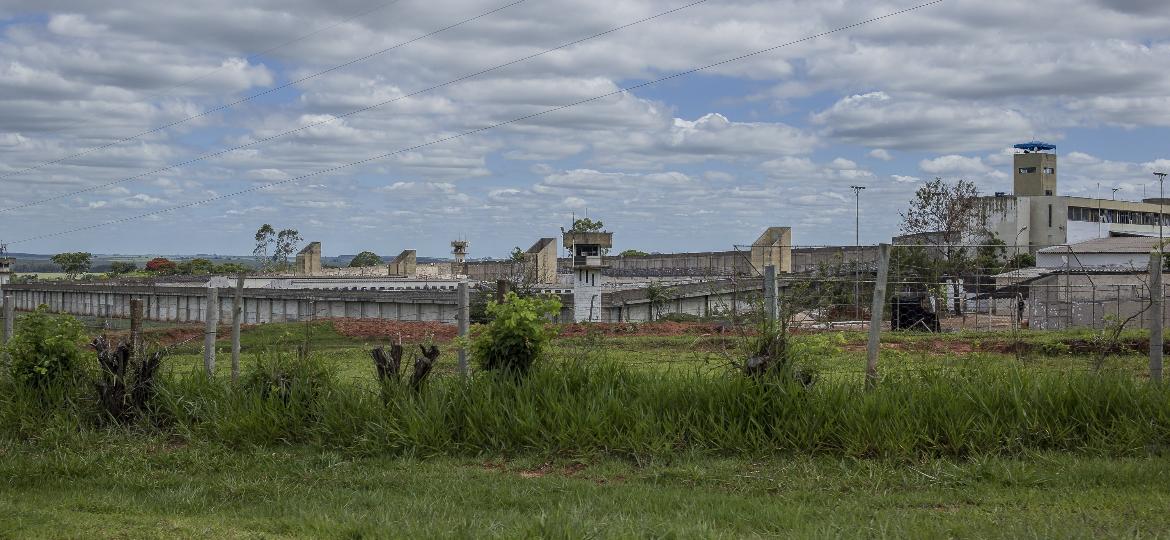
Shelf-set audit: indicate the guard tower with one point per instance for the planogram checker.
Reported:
(459, 251)
(1035, 169)
(5, 265)
(586, 248)
(308, 261)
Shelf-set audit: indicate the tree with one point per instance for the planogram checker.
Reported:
(365, 258)
(195, 267)
(587, 225)
(264, 237)
(287, 241)
(74, 263)
(633, 253)
(658, 295)
(1022, 260)
(517, 255)
(945, 215)
(161, 265)
(118, 268)
(990, 255)
(230, 268)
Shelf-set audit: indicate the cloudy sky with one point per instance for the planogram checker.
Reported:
(698, 162)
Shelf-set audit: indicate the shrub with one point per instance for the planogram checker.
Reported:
(161, 265)
(46, 348)
(290, 379)
(517, 334)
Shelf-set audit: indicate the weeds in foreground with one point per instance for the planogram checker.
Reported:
(605, 408)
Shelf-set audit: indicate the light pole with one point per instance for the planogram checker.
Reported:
(857, 250)
(1114, 196)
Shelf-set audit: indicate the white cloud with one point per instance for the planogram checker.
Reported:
(954, 165)
(682, 161)
(878, 120)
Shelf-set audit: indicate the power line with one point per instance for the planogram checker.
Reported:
(350, 113)
(263, 93)
(484, 128)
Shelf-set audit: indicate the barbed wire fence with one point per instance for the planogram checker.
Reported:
(991, 288)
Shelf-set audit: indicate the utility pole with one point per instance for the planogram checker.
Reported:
(856, 251)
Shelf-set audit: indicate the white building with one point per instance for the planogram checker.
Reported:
(1115, 253)
(1036, 216)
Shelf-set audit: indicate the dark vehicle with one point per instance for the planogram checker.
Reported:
(914, 312)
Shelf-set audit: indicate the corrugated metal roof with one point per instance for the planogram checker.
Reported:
(1112, 244)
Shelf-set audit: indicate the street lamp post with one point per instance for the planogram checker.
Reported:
(857, 250)
(1114, 196)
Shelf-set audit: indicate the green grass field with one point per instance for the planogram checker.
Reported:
(115, 487)
(910, 460)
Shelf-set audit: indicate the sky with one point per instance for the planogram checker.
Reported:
(407, 145)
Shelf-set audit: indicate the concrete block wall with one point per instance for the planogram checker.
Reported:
(189, 304)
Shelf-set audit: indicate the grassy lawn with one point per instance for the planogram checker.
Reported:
(213, 479)
(116, 486)
(831, 355)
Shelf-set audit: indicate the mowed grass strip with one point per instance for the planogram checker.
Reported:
(122, 486)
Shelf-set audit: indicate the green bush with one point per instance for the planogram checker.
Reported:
(518, 333)
(46, 348)
(287, 378)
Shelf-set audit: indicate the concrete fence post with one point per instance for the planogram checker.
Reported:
(136, 352)
(209, 331)
(771, 305)
(237, 315)
(463, 324)
(875, 316)
(9, 319)
(1156, 300)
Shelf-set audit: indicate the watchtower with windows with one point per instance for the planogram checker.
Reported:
(5, 265)
(459, 250)
(587, 249)
(1035, 169)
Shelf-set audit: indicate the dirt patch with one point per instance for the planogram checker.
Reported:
(173, 336)
(664, 328)
(411, 331)
(548, 468)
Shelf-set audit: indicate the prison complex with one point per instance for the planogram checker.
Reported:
(595, 285)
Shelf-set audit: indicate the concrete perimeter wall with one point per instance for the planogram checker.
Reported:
(189, 304)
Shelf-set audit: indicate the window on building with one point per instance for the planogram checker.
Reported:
(1050, 215)
(1049, 170)
(1048, 192)
(1027, 170)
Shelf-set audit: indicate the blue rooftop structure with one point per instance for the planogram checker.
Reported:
(1035, 146)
